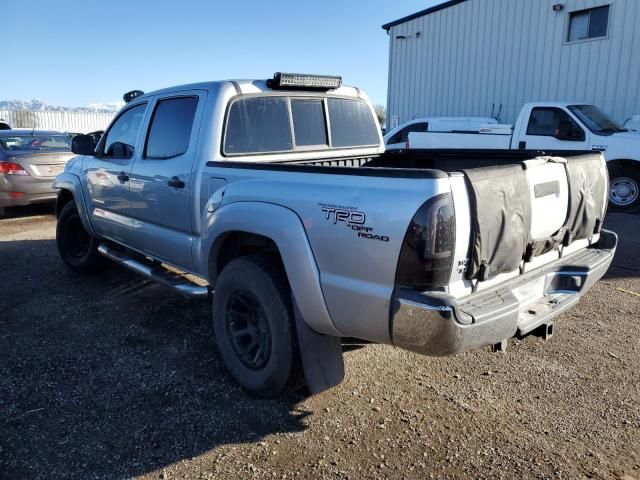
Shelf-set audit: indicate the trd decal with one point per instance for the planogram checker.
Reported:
(352, 218)
(371, 236)
(349, 217)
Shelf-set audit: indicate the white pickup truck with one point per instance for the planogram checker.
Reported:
(633, 123)
(548, 126)
(397, 137)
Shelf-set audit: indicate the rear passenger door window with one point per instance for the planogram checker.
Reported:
(171, 126)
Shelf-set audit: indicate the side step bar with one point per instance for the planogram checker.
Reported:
(156, 273)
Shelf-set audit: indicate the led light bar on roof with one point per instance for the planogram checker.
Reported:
(304, 81)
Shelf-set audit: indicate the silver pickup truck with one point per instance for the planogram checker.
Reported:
(277, 199)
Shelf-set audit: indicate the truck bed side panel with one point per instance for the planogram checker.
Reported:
(355, 220)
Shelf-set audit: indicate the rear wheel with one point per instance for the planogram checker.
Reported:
(254, 327)
(624, 194)
(77, 248)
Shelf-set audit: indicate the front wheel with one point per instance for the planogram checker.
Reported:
(624, 193)
(254, 327)
(77, 248)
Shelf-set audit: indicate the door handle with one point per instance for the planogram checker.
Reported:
(175, 182)
(123, 177)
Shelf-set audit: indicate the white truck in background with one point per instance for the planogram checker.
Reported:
(397, 138)
(633, 123)
(547, 126)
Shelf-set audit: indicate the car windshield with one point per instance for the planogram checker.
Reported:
(36, 142)
(595, 119)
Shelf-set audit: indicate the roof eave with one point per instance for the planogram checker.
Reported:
(422, 13)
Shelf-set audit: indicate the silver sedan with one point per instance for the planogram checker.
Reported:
(29, 160)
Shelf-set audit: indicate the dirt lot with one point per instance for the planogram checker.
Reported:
(114, 377)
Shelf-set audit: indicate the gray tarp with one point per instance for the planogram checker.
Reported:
(501, 219)
(501, 212)
(587, 188)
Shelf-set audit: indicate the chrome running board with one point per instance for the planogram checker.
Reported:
(156, 273)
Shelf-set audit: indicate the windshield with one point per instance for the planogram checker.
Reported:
(595, 119)
(36, 142)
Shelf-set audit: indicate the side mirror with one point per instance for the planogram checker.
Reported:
(82, 145)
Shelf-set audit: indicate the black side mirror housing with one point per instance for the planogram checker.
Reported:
(83, 145)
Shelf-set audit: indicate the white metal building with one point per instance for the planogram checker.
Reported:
(490, 57)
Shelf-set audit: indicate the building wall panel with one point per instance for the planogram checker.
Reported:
(473, 57)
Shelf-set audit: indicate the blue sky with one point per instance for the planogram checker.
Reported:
(79, 52)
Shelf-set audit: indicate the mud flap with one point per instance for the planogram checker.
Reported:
(321, 356)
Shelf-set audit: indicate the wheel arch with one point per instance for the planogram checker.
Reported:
(623, 162)
(64, 196)
(253, 227)
(70, 189)
(238, 243)
(629, 170)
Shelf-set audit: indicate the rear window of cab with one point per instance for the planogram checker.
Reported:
(277, 124)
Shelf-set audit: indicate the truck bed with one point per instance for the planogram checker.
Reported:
(520, 203)
(444, 160)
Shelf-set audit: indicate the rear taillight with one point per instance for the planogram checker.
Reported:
(427, 250)
(11, 168)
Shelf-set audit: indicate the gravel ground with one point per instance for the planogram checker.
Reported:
(115, 377)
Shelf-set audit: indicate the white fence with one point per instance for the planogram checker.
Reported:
(77, 122)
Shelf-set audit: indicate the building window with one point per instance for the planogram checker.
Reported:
(590, 23)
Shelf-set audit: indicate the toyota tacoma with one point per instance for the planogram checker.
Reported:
(276, 200)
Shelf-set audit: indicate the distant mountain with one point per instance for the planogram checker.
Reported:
(39, 105)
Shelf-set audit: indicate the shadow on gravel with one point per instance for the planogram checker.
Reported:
(351, 344)
(112, 376)
(29, 211)
(626, 263)
(616, 271)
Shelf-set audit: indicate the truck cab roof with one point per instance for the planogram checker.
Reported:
(247, 86)
(554, 104)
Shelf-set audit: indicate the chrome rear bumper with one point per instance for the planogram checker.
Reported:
(438, 324)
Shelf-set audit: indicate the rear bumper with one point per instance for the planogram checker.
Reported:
(18, 190)
(438, 324)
